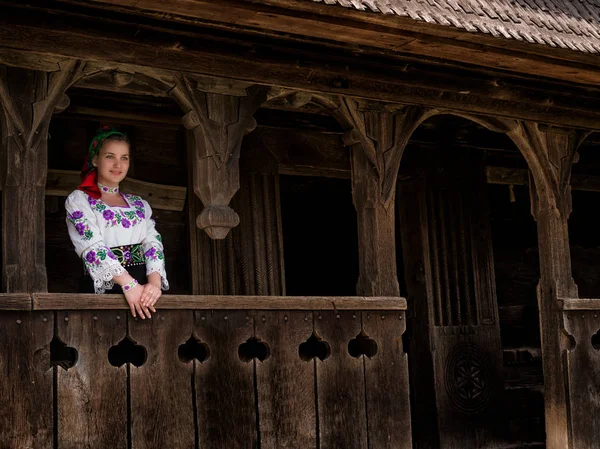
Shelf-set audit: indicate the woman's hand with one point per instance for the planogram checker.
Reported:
(134, 299)
(152, 291)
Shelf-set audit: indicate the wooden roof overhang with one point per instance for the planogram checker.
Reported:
(141, 44)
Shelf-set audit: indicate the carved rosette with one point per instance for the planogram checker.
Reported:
(219, 122)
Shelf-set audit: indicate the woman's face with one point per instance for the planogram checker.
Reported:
(112, 163)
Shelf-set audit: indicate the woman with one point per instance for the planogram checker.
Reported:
(113, 232)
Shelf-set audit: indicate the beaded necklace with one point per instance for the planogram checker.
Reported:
(106, 189)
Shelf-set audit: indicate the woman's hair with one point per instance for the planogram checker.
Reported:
(116, 138)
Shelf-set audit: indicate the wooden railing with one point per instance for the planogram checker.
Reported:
(222, 372)
(581, 358)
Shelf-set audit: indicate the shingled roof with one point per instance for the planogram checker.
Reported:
(570, 24)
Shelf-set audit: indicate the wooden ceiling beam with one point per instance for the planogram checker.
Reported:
(366, 30)
(153, 54)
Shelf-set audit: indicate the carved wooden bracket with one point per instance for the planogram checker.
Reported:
(28, 99)
(219, 122)
(550, 153)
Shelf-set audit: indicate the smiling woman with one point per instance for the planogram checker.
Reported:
(113, 232)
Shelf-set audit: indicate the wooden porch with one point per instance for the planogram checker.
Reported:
(77, 371)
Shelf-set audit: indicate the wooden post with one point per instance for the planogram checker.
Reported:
(550, 153)
(219, 116)
(28, 99)
(377, 136)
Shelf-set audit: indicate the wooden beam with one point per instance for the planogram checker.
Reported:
(163, 197)
(370, 31)
(75, 301)
(310, 68)
(15, 301)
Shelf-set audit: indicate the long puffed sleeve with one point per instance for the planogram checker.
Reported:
(100, 262)
(153, 249)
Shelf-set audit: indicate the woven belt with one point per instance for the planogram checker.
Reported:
(128, 255)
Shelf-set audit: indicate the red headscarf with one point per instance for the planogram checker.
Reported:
(89, 173)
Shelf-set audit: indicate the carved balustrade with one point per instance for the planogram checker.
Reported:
(205, 371)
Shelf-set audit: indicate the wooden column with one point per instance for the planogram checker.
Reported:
(219, 116)
(377, 135)
(28, 99)
(550, 153)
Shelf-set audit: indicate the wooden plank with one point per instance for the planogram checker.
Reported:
(92, 395)
(414, 83)
(340, 384)
(162, 197)
(286, 394)
(15, 301)
(578, 304)
(225, 395)
(386, 377)
(78, 301)
(162, 411)
(26, 380)
(581, 353)
(387, 32)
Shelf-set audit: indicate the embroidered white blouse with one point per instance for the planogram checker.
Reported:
(95, 227)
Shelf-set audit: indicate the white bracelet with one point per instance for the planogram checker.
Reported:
(130, 285)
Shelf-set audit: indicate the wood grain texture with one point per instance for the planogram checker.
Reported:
(286, 396)
(340, 384)
(15, 301)
(92, 395)
(78, 301)
(387, 388)
(224, 383)
(580, 349)
(579, 303)
(26, 380)
(162, 413)
(400, 81)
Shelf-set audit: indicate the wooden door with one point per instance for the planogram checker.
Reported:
(455, 354)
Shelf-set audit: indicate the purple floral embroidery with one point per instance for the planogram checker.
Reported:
(108, 214)
(76, 215)
(126, 223)
(91, 257)
(111, 255)
(80, 227)
(92, 201)
(138, 203)
(140, 214)
(151, 253)
(127, 255)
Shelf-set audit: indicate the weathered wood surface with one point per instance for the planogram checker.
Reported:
(579, 303)
(225, 392)
(161, 197)
(580, 348)
(340, 384)
(386, 379)
(445, 231)
(386, 32)
(26, 415)
(286, 383)
(400, 81)
(92, 407)
(550, 153)
(219, 122)
(162, 410)
(378, 138)
(27, 101)
(520, 176)
(77, 301)
(15, 301)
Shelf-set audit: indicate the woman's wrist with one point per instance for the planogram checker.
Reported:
(155, 279)
(129, 286)
(123, 279)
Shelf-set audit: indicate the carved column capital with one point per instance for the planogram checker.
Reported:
(219, 122)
